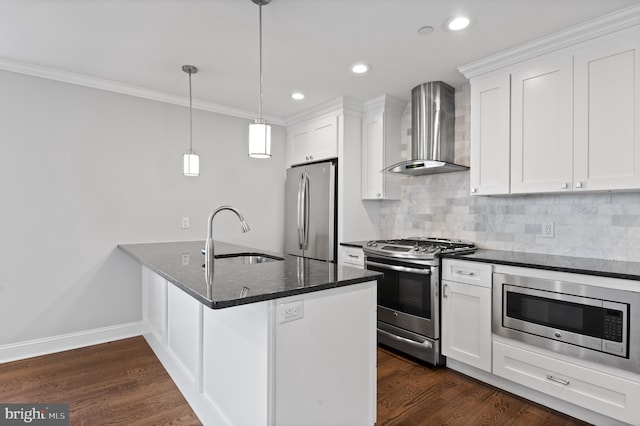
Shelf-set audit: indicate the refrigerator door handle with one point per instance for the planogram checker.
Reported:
(300, 212)
(305, 216)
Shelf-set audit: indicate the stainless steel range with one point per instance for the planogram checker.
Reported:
(409, 293)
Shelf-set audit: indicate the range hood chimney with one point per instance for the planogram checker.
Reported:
(432, 131)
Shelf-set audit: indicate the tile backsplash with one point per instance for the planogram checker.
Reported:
(597, 225)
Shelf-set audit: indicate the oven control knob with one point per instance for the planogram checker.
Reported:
(557, 334)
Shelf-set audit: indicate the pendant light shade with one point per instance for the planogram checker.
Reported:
(191, 164)
(259, 139)
(260, 131)
(191, 160)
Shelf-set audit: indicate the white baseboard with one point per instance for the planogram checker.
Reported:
(65, 342)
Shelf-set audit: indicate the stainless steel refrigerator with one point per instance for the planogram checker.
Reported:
(310, 211)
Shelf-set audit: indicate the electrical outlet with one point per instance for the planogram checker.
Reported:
(547, 230)
(290, 311)
(185, 223)
(185, 259)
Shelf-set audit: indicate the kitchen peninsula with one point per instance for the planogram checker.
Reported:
(284, 340)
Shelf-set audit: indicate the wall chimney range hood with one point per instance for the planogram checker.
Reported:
(432, 132)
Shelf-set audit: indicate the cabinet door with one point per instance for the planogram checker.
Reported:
(372, 156)
(184, 331)
(607, 114)
(542, 126)
(490, 135)
(314, 140)
(154, 304)
(380, 148)
(466, 324)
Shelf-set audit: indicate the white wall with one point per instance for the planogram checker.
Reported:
(82, 170)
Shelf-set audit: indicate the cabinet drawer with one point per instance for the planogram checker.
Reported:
(467, 272)
(603, 393)
(353, 256)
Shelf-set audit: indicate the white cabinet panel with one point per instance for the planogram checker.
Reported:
(380, 148)
(461, 271)
(603, 393)
(154, 304)
(325, 370)
(313, 140)
(352, 256)
(490, 148)
(184, 330)
(235, 374)
(607, 115)
(541, 126)
(466, 312)
(466, 324)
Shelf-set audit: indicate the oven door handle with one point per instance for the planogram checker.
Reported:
(427, 344)
(400, 268)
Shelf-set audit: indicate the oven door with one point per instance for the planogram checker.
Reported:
(407, 295)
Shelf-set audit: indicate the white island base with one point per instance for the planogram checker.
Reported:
(245, 366)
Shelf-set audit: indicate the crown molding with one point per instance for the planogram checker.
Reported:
(617, 21)
(387, 103)
(126, 89)
(341, 105)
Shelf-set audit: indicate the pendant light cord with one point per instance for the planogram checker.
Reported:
(190, 117)
(260, 81)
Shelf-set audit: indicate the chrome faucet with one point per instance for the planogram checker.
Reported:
(208, 247)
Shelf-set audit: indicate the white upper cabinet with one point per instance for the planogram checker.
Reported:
(572, 117)
(490, 134)
(313, 140)
(607, 114)
(541, 125)
(381, 148)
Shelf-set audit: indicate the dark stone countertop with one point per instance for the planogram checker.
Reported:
(552, 262)
(264, 281)
(356, 244)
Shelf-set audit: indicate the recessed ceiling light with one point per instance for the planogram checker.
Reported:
(360, 68)
(297, 96)
(425, 30)
(457, 23)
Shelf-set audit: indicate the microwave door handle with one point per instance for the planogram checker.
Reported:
(400, 268)
(299, 218)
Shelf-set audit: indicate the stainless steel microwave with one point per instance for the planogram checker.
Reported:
(582, 320)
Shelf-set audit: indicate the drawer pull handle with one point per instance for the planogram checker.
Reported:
(444, 290)
(470, 274)
(555, 379)
(353, 256)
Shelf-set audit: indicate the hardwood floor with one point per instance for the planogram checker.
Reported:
(116, 383)
(123, 383)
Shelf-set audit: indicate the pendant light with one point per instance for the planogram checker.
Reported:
(260, 131)
(191, 159)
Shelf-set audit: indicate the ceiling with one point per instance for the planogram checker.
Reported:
(307, 45)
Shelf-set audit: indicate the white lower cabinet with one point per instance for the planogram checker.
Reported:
(352, 256)
(253, 365)
(466, 312)
(184, 330)
(603, 393)
(154, 304)
(325, 363)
